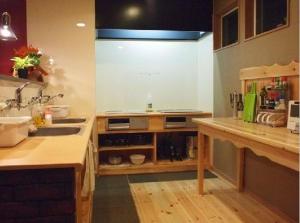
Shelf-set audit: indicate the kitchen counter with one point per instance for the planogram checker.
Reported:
(277, 144)
(280, 138)
(48, 152)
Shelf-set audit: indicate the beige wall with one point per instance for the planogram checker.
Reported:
(278, 47)
(51, 26)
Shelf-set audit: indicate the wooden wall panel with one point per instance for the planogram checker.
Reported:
(249, 18)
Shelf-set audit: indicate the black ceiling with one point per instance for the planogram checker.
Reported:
(180, 15)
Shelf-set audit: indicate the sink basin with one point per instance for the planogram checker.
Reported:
(68, 120)
(56, 131)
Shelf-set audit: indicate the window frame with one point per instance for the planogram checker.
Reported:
(238, 27)
(255, 35)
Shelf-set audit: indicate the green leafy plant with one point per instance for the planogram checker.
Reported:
(22, 63)
(28, 57)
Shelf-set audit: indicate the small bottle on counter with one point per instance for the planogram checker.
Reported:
(263, 97)
(149, 103)
(37, 115)
(240, 107)
(48, 117)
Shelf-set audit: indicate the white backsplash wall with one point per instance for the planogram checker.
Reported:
(128, 73)
(9, 93)
(205, 73)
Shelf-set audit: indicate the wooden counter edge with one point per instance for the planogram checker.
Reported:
(146, 114)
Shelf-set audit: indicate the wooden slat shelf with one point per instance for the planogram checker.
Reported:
(123, 148)
(178, 163)
(148, 167)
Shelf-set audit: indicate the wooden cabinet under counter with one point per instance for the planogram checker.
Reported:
(120, 141)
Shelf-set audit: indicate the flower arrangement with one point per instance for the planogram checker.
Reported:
(28, 58)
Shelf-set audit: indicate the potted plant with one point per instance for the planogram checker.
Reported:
(21, 66)
(29, 58)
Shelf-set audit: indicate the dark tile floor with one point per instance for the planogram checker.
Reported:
(113, 202)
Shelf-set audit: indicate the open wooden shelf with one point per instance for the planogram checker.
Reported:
(155, 135)
(149, 131)
(126, 167)
(10, 81)
(148, 167)
(124, 148)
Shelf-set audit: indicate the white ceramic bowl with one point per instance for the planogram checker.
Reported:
(59, 111)
(115, 160)
(137, 159)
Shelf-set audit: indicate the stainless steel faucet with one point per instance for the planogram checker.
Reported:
(18, 95)
(44, 99)
(56, 96)
(40, 94)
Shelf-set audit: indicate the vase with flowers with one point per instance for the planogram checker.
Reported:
(27, 63)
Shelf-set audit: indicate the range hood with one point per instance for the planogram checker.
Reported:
(153, 19)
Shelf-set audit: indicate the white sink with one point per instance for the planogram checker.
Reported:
(13, 130)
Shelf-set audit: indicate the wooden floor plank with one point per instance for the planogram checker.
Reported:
(179, 201)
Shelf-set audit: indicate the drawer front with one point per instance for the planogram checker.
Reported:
(175, 122)
(118, 124)
(139, 123)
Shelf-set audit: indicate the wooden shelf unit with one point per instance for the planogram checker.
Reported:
(153, 164)
(148, 167)
(122, 148)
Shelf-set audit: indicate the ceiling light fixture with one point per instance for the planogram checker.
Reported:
(133, 12)
(80, 24)
(6, 32)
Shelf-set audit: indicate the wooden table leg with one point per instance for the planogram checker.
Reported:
(240, 169)
(201, 159)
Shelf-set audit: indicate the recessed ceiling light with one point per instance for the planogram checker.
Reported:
(133, 12)
(80, 24)
(120, 47)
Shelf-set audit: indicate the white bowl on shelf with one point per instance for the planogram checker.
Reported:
(115, 160)
(137, 159)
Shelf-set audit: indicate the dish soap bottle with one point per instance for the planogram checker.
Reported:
(149, 103)
(48, 117)
(37, 115)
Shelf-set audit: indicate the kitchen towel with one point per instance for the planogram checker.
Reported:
(89, 177)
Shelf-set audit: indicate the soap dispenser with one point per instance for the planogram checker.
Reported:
(149, 103)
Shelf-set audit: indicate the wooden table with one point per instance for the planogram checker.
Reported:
(277, 144)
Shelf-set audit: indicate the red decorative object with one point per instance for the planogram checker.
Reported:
(34, 54)
(17, 10)
(26, 50)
